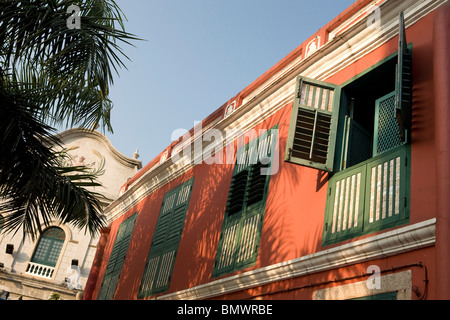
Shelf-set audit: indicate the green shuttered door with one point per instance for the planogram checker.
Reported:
(161, 258)
(368, 197)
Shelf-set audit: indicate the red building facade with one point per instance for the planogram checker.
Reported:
(326, 178)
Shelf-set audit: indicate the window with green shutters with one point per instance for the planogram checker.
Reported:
(166, 239)
(312, 133)
(371, 192)
(116, 259)
(244, 213)
(49, 247)
(335, 127)
(358, 131)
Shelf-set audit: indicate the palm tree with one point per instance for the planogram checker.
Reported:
(52, 75)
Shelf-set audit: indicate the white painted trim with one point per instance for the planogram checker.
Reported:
(394, 242)
(356, 18)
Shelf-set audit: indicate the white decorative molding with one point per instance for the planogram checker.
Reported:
(394, 242)
(229, 109)
(76, 133)
(164, 157)
(362, 14)
(312, 46)
(161, 175)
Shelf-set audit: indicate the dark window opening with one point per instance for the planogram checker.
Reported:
(359, 121)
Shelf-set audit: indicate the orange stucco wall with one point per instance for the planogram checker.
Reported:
(296, 200)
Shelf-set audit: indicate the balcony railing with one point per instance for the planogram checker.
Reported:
(370, 196)
(40, 270)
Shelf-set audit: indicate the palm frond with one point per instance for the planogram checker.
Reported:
(34, 188)
(56, 76)
(34, 37)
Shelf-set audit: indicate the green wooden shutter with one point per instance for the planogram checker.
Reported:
(404, 83)
(241, 230)
(371, 196)
(166, 239)
(239, 241)
(387, 196)
(345, 205)
(116, 259)
(312, 133)
(386, 127)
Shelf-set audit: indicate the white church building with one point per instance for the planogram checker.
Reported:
(56, 264)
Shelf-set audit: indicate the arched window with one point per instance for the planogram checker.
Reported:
(49, 247)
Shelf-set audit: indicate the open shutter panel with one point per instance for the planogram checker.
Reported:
(312, 133)
(386, 127)
(166, 239)
(403, 101)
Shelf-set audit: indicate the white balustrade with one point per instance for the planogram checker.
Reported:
(39, 270)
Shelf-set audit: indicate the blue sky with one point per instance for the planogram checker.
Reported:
(197, 55)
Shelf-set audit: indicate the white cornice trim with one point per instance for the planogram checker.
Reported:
(398, 241)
